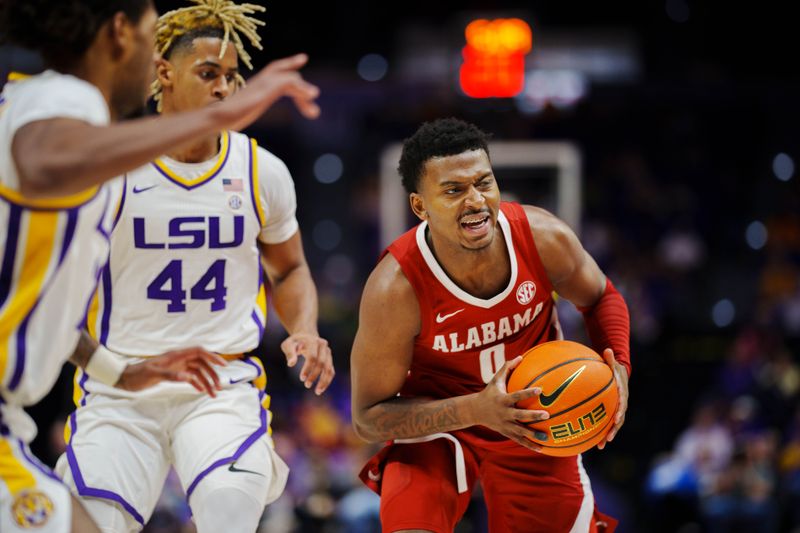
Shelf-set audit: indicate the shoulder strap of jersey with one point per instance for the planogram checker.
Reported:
(255, 191)
(524, 241)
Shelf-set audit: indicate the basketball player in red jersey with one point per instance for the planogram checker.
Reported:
(443, 319)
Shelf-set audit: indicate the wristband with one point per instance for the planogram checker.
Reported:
(106, 366)
(609, 325)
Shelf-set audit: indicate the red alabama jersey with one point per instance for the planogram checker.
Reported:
(463, 339)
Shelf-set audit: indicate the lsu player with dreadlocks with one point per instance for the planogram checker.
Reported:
(191, 232)
(63, 134)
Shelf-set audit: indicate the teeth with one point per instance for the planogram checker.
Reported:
(473, 219)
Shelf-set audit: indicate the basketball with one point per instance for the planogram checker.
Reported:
(578, 391)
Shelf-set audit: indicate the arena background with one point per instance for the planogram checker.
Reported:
(685, 115)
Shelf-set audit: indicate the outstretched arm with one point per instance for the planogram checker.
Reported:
(382, 353)
(60, 157)
(192, 365)
(576, 277)
(294, 296)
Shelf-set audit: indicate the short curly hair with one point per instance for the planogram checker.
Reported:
(443, 137)
(61, 30)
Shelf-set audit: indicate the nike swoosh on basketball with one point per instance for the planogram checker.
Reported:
(137, 190)
(548, 399)
(441, 318)
(232, 468)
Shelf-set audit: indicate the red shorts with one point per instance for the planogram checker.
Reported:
(523, 490)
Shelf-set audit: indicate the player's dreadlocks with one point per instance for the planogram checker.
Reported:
(61, 30)
(208, 18)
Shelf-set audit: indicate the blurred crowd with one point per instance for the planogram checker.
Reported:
(736, 466)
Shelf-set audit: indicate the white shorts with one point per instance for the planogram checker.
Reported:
(32, 498)
(122, 444)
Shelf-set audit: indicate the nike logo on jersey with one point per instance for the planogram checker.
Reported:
(137, 189)
(548, 399)
(441, 318)
(374, 477)
(232, 468)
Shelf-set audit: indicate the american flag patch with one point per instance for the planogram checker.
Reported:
(231, 185)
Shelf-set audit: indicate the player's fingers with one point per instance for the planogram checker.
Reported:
(213, 358)
(297, 87)
(520, 439)
(312, 367)
(287, 63)
(613, 431)
(310, 355)
(328, 372)
(621, 410)
(203, 386)
(190, 378)
(514, 363)
(533, 434)
(308, 108)
(204, 380)
(527, 415)
(290, 350)
(608, 357)
(523, 394)
(303, 94)
(204, 367)
(500, 376)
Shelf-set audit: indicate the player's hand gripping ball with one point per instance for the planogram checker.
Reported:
(578, 391)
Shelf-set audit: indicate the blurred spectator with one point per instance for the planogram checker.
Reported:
(742, 497)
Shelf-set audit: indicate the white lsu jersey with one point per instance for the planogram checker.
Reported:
(185, 265)
(51, 250)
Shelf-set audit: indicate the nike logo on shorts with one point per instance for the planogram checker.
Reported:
(232, 468)
(137, 189)
(441, 318)
(548, 399)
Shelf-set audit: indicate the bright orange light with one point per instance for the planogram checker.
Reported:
(494, 57)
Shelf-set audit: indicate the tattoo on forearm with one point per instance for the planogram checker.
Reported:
(405, 419)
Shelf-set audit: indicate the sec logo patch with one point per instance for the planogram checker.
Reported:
(31, 509)
(235, 201)
(525, 292)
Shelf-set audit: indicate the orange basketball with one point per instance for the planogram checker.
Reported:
(578, 391)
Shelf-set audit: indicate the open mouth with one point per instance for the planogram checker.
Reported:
(475, 223)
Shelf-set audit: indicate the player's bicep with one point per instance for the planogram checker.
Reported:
(41, 147)
(384, 344)
(379, 363)
(585, 283)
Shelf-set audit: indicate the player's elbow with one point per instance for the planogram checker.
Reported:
(48, 176)
(363, 429)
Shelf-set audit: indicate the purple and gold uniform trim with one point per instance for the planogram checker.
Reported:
(189, 184)
(254, 190)
(37, 241)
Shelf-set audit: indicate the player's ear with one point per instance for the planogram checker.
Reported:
(418, 206)
(164, 72)
(120, 34)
